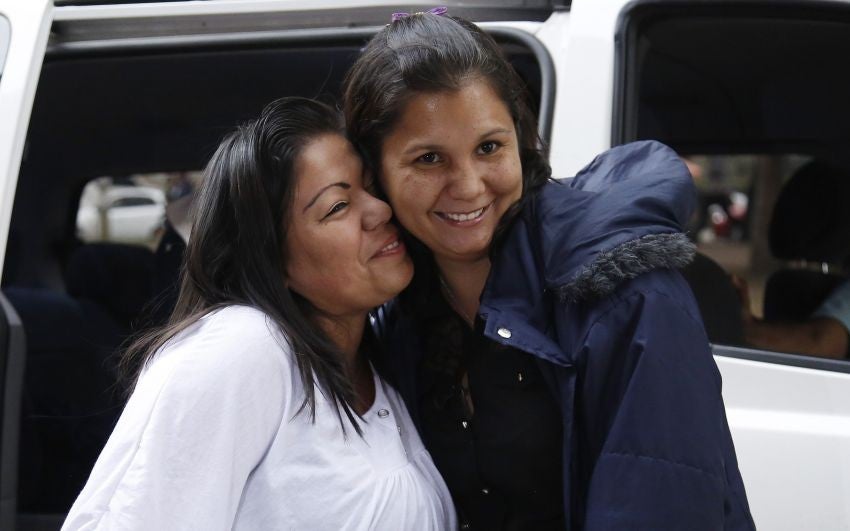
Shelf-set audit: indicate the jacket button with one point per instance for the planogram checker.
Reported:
(383, 413)
(485, 491)
(504, 332)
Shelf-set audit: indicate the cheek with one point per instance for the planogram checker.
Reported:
(398, 188)
(315, 264)
(509, 181)
(411, 194)
(300, 273)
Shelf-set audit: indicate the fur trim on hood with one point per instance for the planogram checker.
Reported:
(653, 251)
(579, 240)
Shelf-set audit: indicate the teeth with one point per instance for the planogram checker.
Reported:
(390, 247)
(465, 217)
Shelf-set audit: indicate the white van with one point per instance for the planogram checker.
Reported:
(747, 91)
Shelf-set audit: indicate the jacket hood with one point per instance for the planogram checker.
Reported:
(619, 217)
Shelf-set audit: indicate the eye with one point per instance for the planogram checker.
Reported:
(488, 147)
(429, 158)
(339, 206)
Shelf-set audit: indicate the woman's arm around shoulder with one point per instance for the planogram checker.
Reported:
(199, 421)
(654, 424)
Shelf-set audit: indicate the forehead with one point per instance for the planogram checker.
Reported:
(474, 107)
(324, 160)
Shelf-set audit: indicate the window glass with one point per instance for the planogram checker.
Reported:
(130, 209)
(780, 226)
(743, 96)
(731, 224)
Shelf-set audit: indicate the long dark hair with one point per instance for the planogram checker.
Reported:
(426, 53)
(237, 252)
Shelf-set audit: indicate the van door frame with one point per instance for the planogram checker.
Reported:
(29, 27)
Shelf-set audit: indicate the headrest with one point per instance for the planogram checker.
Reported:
(119, 277)
(811, 219)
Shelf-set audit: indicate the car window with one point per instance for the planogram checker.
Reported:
(736, 203)
(742, 96)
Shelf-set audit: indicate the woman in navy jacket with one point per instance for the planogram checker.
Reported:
(552, 358)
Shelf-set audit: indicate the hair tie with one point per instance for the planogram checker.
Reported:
(439, 11)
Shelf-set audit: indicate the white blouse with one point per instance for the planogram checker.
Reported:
(212, 439)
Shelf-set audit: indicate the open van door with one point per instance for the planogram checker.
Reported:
(24, 28)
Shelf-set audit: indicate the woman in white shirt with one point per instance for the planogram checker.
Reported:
(256, 406)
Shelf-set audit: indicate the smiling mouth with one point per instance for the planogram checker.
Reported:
(394, 247)
(460, 217)
(390, 247)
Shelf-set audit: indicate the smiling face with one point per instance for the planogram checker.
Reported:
(451, 169)
(345, 257)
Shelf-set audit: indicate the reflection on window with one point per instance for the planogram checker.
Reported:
(130, 209)
(781, 224)
(731, 224)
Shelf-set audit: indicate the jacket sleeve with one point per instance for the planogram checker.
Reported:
(657, 451)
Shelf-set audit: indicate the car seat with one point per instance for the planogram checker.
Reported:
(717, 299)
(810, 231)
(118, 277)
(71, 397)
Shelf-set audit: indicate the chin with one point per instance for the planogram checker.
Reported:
(394, 282)
(469, 251)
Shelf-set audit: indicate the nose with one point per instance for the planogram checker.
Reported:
(376, 213)
(465, 180)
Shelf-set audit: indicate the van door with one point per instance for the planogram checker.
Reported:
(24, 28)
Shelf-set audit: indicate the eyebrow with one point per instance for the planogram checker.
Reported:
(344, 186)
(435, 147)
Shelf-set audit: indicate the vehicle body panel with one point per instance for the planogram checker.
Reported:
(30, 25)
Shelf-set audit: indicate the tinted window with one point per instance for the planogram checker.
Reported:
(743, 96)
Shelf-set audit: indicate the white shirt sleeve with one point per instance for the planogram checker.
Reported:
(199, 421)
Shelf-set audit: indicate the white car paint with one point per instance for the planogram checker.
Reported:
(791, 425)
(30, 24)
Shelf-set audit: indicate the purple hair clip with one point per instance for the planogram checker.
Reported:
(439, 11)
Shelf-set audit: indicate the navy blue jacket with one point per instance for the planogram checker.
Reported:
(585, 281)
